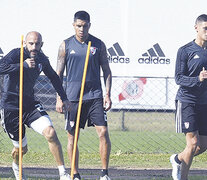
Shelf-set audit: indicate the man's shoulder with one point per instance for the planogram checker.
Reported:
(16, 49)
(91, 37)
(69, 39)
(43, 57)
(187, 46)
(14, 53)
(95, 41)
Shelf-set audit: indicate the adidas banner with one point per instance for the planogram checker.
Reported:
(142, 37)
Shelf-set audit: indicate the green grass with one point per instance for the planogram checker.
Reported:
(147, 141)
(141, 153)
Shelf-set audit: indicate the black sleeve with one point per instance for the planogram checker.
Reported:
(181, 71)
(10, 62)
(55, 80)
(103, 54)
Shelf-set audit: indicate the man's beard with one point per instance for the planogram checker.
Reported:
(30, 53)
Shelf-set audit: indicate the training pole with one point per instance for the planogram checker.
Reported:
(20, 107)
(79, 110)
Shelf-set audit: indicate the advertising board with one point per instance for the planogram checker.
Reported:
(142, 37)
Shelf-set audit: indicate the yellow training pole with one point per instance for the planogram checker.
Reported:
(20, 107)
(79, 110)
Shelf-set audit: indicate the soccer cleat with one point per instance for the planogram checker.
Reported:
(65, 176)
(16, 172)
(105, 178)
(176, 168)
(76, 177)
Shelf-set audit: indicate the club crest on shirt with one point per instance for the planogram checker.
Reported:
(93, 50)
(39, 67)
(186, 125)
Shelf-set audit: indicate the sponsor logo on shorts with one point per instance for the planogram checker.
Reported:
(11, 135)
(105, 116)
(186, 125)
(72, 123)
(39, 107)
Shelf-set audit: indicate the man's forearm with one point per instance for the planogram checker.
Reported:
(108, 82)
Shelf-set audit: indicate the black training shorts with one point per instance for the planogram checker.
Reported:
(10, 119)
(191, 117)
(92, 110)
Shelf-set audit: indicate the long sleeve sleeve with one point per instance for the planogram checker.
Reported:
(55, 80)
(182, 76)
(10, 62)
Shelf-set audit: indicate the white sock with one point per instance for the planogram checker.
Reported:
(61, 169)
(14, 165)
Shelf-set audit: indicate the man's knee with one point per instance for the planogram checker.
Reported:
(15, 151)
(71, 138)
(103, 133)
(50, 134)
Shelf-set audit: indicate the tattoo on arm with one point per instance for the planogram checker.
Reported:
(61, 61)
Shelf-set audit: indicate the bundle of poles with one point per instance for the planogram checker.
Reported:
(21, 108)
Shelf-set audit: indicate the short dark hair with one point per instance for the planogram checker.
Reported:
(201, 18)
(82, 15)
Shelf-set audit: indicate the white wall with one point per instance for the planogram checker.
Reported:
(136, 25)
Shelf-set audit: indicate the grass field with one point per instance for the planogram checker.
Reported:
(147, 142)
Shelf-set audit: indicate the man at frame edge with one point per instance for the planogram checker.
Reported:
(191, 99)
(34, 115)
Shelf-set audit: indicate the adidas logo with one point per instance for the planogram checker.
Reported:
(196, 57)
(72, 52)
(116, 54)
(154, 55)
(1, 53)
